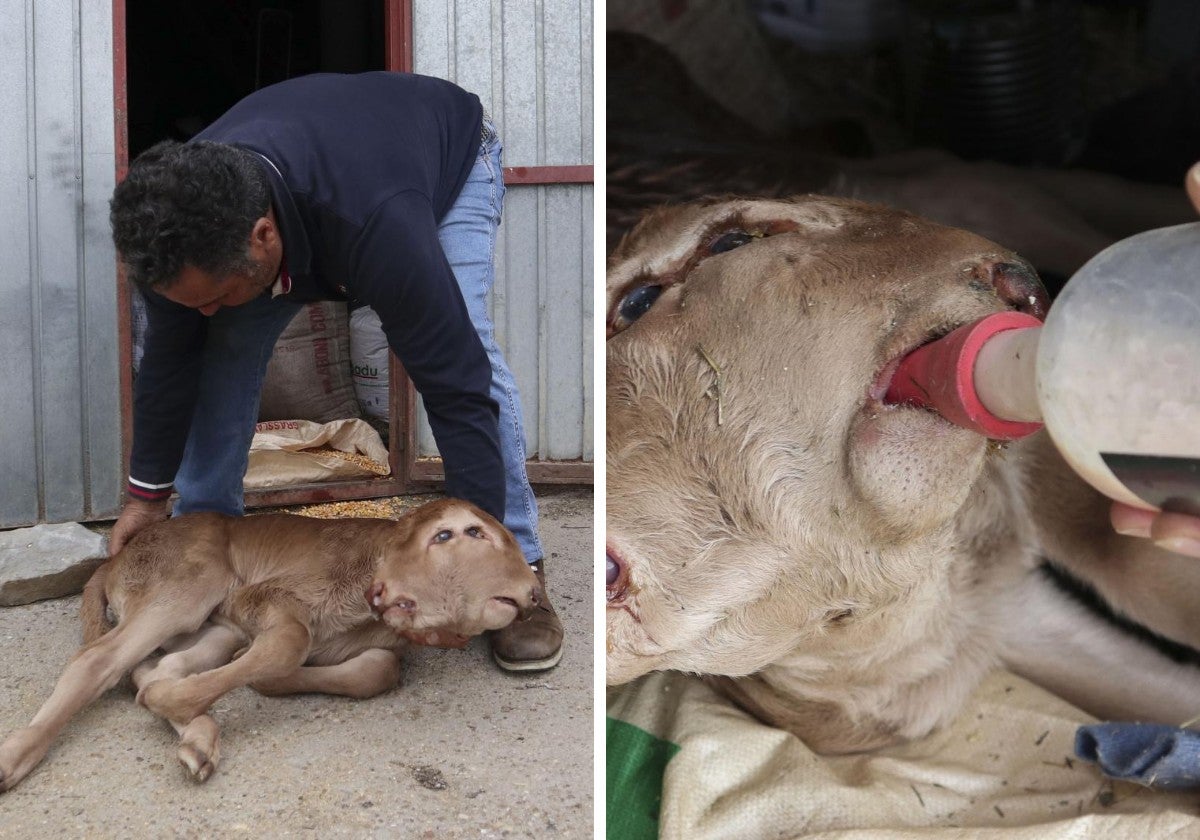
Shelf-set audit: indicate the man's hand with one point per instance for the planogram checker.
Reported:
(1176, 532)
(1192, 185)
(135, 516)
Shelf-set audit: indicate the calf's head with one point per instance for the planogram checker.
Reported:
(450, 572)
(762, 500)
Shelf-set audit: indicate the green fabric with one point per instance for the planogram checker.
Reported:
(635, 762)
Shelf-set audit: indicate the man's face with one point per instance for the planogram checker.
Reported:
(199, 290)
(206, 292)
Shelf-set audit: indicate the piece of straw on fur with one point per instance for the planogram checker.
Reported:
(714, 392)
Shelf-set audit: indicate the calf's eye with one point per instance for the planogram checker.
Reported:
(637, 303)
(616, 580)
(729, 241)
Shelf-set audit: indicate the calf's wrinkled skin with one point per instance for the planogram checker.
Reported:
(842, 568)
(282, 603)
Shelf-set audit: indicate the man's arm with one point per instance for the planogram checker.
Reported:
(164, 399)
(399, 269)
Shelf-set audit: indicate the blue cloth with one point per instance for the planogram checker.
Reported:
(1150, 754)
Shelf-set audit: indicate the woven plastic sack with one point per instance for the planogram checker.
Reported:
(309, 376)
(684, 762)
(290, 452)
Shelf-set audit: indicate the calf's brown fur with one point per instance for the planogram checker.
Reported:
(282, 603)
(844, 568)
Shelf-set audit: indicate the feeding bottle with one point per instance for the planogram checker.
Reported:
(1113, 373)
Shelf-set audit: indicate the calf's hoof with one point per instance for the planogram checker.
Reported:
(19, 754)
(200, 747)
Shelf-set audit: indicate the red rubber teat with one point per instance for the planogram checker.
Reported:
(941, 375)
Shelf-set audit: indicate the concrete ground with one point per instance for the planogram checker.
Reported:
(460, 750)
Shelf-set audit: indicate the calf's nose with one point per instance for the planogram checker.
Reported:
(1016, 284)
(524, 602)
(527, 610)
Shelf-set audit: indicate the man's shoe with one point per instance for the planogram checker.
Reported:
(534, 644)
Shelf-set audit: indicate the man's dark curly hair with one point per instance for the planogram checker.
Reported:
(187, 204)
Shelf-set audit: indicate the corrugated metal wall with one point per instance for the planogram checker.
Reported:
(531, 64)
(59, 391)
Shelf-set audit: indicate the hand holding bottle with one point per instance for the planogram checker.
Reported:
(1113, 374)
(1173, 531)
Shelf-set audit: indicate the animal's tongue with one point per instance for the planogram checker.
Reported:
(941, 376)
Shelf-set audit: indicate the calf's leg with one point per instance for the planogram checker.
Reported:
(370, 673)
(199, 739)
(281, 644)
(1053, 640)
(94, 669)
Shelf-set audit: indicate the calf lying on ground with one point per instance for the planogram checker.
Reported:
(282, 603)
(842, 568)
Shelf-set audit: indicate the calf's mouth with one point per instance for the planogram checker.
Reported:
(1015, 285)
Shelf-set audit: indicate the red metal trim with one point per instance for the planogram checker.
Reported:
(402, 429)
(339, 491)
(429, 473)
(560, 472)
(539, 472)
(400, 391)
(402, 402)
(582, 174)
(124, 329)
(398, 40)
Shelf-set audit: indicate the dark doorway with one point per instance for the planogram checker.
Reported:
(188, 62)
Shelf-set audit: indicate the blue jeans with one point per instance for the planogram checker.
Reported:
(241, 338)
(468, 237)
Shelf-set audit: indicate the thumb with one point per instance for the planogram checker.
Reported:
(1177, 532)
(1131, 521)
(1192, 184)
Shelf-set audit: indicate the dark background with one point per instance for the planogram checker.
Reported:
(812, 95)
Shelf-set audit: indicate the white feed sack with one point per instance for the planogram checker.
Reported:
(308, 377)
(369, 357)
(285, 453)
(685, 762)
